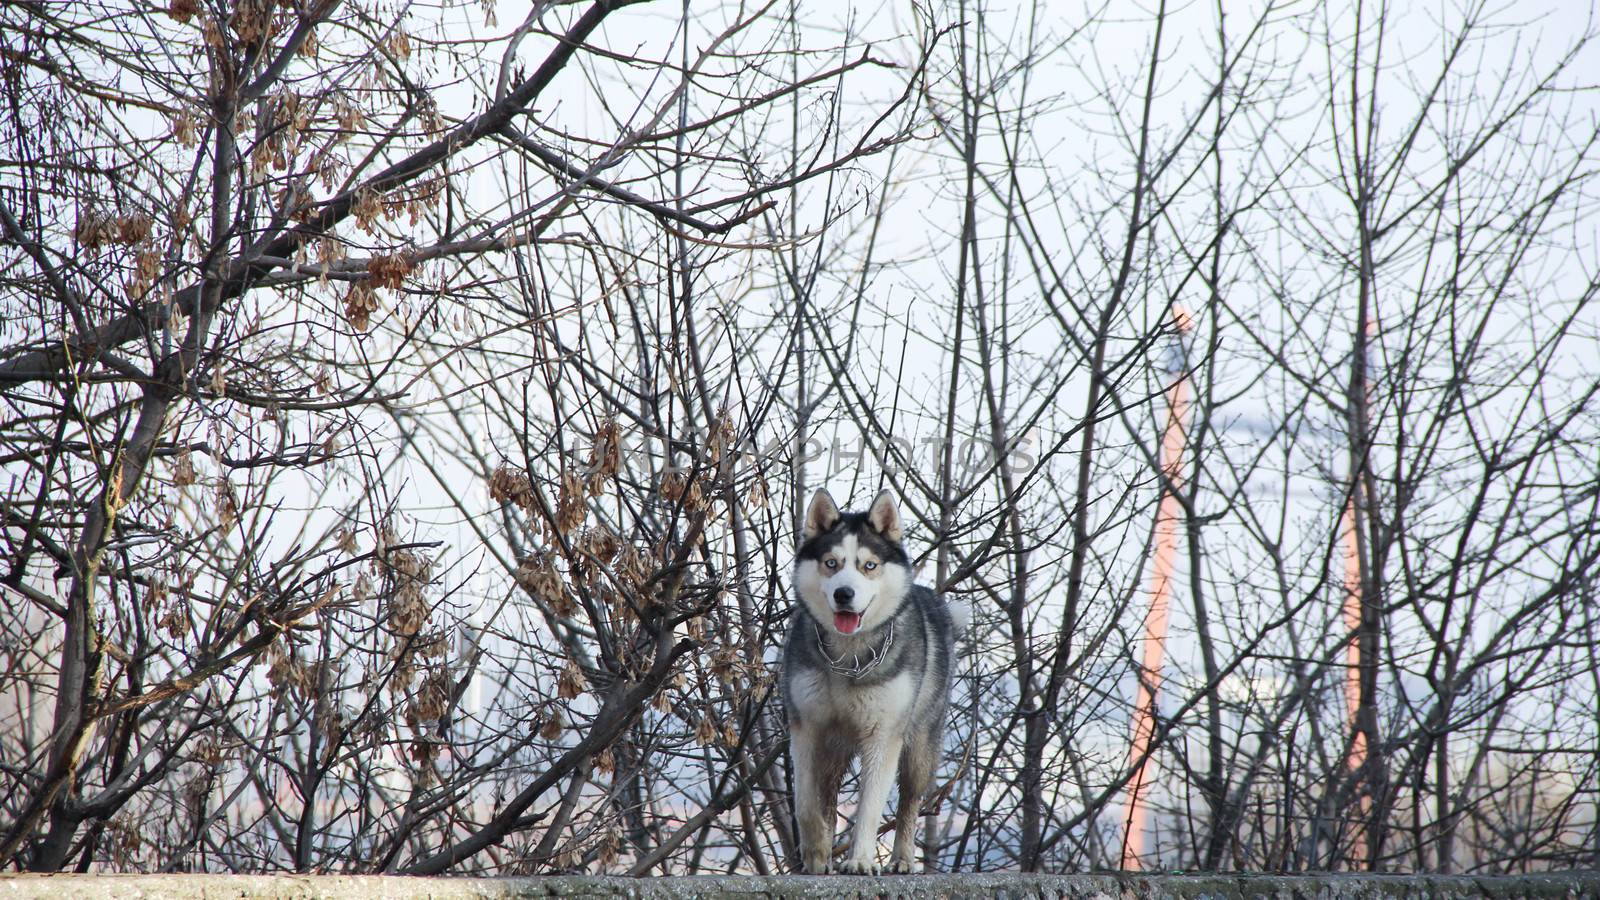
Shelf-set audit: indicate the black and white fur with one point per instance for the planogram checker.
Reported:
(877, 690)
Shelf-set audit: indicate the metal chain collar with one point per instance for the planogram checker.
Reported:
(857, 668)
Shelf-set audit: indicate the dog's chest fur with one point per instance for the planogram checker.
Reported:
(832, 701)
(898, 688)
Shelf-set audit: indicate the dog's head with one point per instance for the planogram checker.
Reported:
(851, 570)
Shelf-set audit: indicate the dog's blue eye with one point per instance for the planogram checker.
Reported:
(833, 564)
(870, 566)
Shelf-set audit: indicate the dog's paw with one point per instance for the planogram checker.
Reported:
(860, 867)
(902, 865)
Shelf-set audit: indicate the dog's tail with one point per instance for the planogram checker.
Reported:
(960, 615)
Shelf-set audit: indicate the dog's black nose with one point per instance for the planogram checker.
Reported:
(843, 596)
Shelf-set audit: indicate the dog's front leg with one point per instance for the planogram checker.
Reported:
(916, 773)
(879, 760)
(813, 812)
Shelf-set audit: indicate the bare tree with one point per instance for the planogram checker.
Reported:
(1215, 188)
(258, 258)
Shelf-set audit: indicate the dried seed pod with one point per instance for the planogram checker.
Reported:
(570, 507)
(536, 573)
(721, 439)
(133, 229)
(366, 208)
(675, 486)
(606, 851)
(156, 595)
(360, 302)
(225, 505)
(389, 271)
(175, 623)
(508, 485)
(706, 731)
(408, 611)
(424, 751)
(601, 543)
(553, 725)
(605, 457)
(571, 682)
(95, 230)
(183, 473)
(662, 702)
(433, 696)
(726, 664)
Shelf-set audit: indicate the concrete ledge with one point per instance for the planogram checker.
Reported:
(1000, 885)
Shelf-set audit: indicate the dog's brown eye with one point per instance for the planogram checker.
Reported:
(870, 566)
(832, 564)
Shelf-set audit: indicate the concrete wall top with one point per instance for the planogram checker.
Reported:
(911, 887)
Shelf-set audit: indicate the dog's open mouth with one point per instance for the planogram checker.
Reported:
(846, 622)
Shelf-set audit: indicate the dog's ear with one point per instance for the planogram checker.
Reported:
(821, 515)
(884, 516)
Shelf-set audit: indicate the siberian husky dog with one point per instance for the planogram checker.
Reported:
(866, 673)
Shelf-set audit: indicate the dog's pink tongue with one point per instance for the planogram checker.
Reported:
(846, 622)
